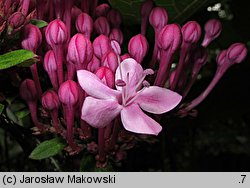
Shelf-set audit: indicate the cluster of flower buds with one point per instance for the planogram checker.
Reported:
(14, 15)
(96, 84)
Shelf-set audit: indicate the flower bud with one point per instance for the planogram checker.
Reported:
(50, 62)
(75, 12)
(102, 26)
(80, 50)
(50, 100)
(84, 24)
(28, 90)
(68, 93)
(116, 34)
(102, 10)
(116, 47)
(115, 18)
(221, 58)
(15, 22)
(110, 60)
(106, 75)
(213, 29)
(94, 64)
(237, 52)
(101, 46)
(170, 37)
(158, 18)
(191, 32)
(125, 56)
(56, 33)
(32, 38)
(138, 47)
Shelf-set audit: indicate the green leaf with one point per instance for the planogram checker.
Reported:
(178, 11)
(14, 58)
(47, 149)
(38, 23)
(1, 108)
(22, 114)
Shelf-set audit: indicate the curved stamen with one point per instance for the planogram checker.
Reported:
(145, 73)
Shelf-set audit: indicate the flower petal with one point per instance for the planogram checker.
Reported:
(94, 87)
(158, 100)
(135, 71)
(99, 113)
(135, 120)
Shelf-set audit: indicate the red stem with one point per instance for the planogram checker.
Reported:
(59, 60)
(35, 76)
(219, 73)
(70, 111)
(101, 145)
(54, 117)
(53, 79)
(33, 112)
(180, 66)
(164, 69)
(70, 71)
(155, 52)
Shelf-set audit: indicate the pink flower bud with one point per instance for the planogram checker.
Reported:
(170, 37)
(237, 52)
(101, 46)
(110, 60)
(80, 50)
(75, 12)
(116, 47)
(115, 18)
(50, 100)
(102, 10)
(191, 32)
(15, 22)
(102, 26)
(56, 33)
(68, 93)
(125, 56)
(116, 34)
(213, 29)
(94, 64)
(106, 75)
(50, 67)
(138, 47)
(50, 62)
(28, 90)
(32, 38)
(158, 18)
(221, 58)
(84, 24)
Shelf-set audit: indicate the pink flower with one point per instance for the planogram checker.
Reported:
(104, 104)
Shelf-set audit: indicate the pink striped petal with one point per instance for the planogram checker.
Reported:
(94, 87)
(135, 120)
(98, 112)
(158, 100)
